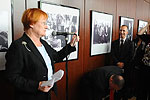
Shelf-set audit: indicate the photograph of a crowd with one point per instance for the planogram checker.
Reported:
(101, 32)
(61, 19)
(3, 31)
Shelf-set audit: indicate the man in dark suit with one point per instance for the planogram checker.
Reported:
(122, 52)
(97, 83)
(122, 49)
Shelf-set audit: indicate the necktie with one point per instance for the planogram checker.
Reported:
(121, 44)
(111, 94)
(121, 47)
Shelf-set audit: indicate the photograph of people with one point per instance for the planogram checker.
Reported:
(3, 31)
(3, 41)
(101, 32)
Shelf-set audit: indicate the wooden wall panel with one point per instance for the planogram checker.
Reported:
(107, 6)
(125, 8)
(17, 14)
(142, 11)
(111, 7)
(75, 68)
(148, 1)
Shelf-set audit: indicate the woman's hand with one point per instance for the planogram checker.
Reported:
(44, 88)
(142, 31)
(120, 64)
(75, 39)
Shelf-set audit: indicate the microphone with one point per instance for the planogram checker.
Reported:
(54, 33)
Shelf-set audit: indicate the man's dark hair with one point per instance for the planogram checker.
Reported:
(125, 26)
(118, 81)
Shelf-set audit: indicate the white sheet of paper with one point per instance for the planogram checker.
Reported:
(55, 77)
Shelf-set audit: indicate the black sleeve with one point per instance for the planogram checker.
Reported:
(14, 66)
(58, 56)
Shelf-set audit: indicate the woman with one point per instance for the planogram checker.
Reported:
(141, 70)
(30, 60)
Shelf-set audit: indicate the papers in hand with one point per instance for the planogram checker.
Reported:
(55, 77)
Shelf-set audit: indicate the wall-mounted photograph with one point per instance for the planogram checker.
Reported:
(62, 19)
(101, 32)
(129, 22)
(142, 24)
(5, 30)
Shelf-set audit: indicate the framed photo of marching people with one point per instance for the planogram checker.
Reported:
(61, 18)
(142, 24)
(101, 32)
(6, 15)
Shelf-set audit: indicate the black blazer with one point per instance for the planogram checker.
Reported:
(25, 67)
(126, 54)
(95, 84)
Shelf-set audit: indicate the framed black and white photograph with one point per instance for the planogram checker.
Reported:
(141, 24)
(5, 30)
(129, 22)
(101, 32)
(63, 19)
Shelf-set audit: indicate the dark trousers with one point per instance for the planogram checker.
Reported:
(143, 88)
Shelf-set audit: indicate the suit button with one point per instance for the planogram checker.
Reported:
(44, 76)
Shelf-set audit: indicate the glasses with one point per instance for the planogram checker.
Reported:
(43, 22)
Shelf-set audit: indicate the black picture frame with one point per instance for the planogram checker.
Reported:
(101, 32)
(130, 23)
(6, 29)
(142, 24)
(61, 18)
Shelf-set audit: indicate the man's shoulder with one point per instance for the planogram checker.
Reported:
(128, 40)
(115, 42)
(110, 67)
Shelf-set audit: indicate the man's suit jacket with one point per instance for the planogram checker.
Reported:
(95, 84)
(125, 55)
(25, 67)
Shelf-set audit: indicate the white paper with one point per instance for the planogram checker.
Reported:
(55, 77)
